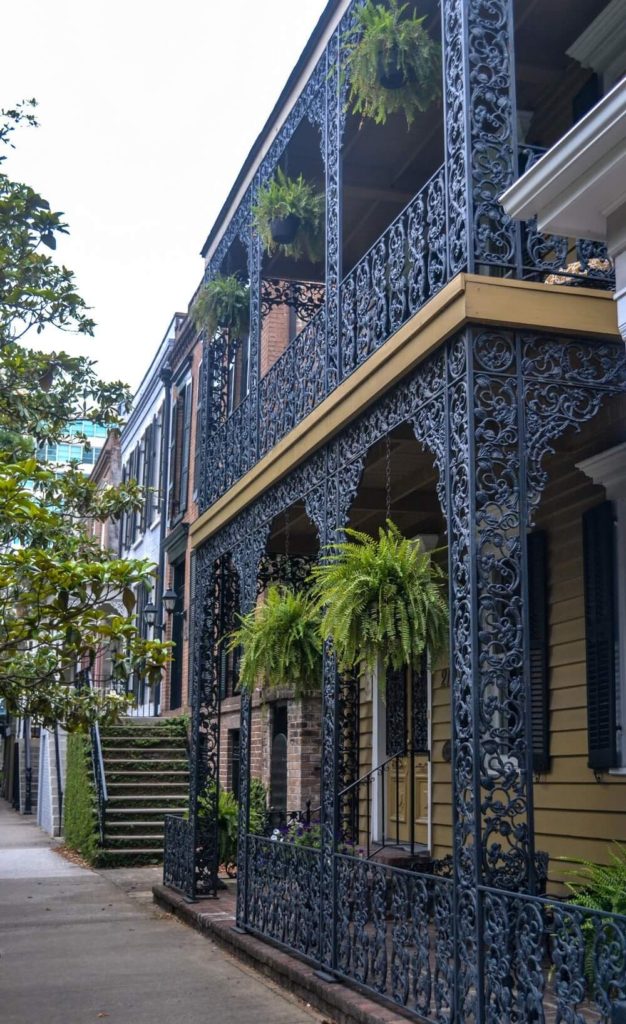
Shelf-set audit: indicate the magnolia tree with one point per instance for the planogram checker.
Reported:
(63, 599)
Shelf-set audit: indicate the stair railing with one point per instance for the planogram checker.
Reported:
(102, 796)
(355, 801)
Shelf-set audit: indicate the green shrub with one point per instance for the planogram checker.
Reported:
(80, 816)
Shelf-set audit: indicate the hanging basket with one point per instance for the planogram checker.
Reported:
(391, 74)
(284, 229)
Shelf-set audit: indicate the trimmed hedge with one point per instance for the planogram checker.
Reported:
(81, 821)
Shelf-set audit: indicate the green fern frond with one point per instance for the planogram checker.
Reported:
(385, 32)
(281, 643)
(381, 597)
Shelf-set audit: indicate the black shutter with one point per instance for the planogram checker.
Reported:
(183, 486)
(395, 711)
(174, 461)
(537, 549)
(197, 453)
(147, 475)
(601, 635)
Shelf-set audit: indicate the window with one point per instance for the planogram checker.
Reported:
(604, 550)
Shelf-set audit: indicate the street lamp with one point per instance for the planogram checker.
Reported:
(150, 610)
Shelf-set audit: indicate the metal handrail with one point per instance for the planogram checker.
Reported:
(366, 780)
(99, 779)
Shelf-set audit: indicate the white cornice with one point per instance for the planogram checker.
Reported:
(608, 469)
(595, 144)
(601, 46)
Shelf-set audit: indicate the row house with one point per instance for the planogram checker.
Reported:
(448, 361)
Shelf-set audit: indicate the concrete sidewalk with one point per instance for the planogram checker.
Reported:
(75, 948)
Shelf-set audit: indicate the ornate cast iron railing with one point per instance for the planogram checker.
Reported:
(395, 935)
(547, 960)
(558, 260)
(294, 385)
(102, 796)
(402, 270)
(283, 893)
(305, 297)
(405, 267)
(381, 783)
(178, 859)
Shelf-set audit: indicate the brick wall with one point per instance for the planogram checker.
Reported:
(274, 336)
(304, 741)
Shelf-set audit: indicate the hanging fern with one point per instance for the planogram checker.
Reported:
(384, 35)
(283, 196)
(280, 642)
(223, 302)
(381, 598)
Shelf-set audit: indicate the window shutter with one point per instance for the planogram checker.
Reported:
(197, 453)
(174, 452)
(147, 476)
(183, 486)
(537, 549)
(600, 627)
(134, 476)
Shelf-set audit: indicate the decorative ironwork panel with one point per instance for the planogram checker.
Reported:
(348, 755)
(547, 257)
(294, 385)
(395, 935)
(419, 709)
(479, 84)
(547, 961)
(291, 570)
(396, 711)
(305, 297)
(283, 894)
(402, 270)
(178, 859)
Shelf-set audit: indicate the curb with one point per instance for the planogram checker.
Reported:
(343, 1004)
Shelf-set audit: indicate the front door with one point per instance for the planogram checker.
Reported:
(407, 775)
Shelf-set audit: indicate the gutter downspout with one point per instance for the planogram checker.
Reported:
(166, 378)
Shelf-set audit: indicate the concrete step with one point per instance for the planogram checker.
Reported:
(119, 813)
(149, 784)
(111, 857)
(180, 778)
(142, 754)
(149, 741)
(135, 841)
(125, 827)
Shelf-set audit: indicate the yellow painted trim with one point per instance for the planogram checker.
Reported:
(468, 298)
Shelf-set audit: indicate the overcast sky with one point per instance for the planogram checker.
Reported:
(148, 109)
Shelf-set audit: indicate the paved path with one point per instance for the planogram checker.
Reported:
(76, 948)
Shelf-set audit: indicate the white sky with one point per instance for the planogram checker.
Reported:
(148, 109)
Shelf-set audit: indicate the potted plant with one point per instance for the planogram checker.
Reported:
(381, 600)
(289, 215)
(391, 62)
(223, 303)
(280, 643)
